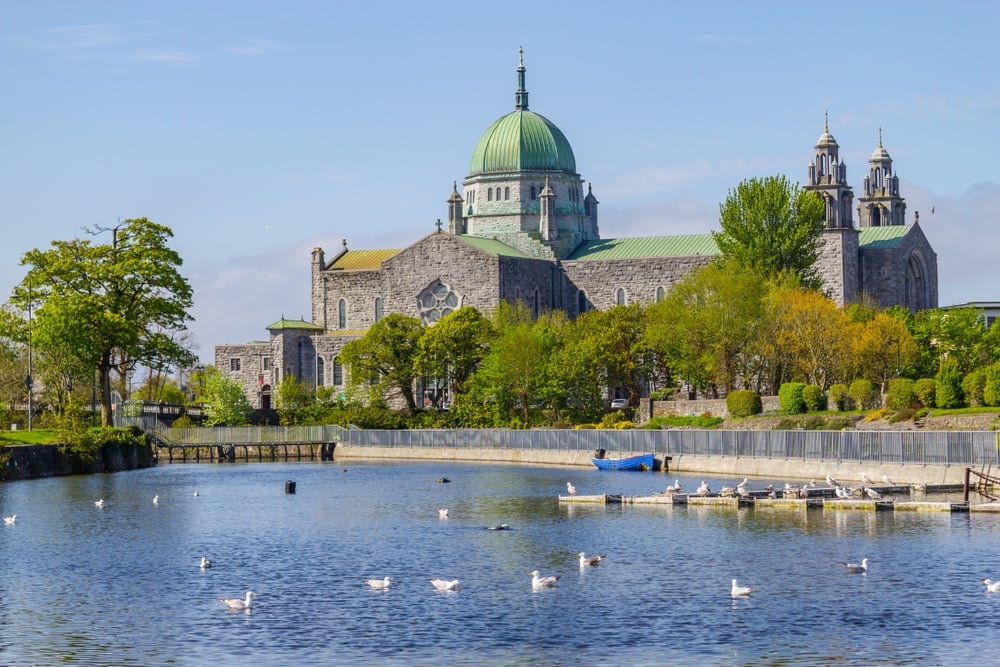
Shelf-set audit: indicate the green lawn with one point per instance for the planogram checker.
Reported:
(38, 436)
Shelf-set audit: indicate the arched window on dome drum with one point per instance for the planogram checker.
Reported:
(581, 302)
(378, 308)
(660, 293)
(320, 371)
(338, 372)
(506, 194)
(620, 296)
(489, 194)
(342, 314)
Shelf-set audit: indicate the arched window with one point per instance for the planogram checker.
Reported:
(506, 194)
(581, 302)
(660, 293)
(489, 194)
(338, 372)
(498, 193)
(378, 308)
(320, 371)
(342, 314)
(535, 306)
(620, 296)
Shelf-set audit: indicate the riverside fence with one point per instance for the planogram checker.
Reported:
(966, 448)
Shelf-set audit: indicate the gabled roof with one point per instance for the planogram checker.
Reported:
(646, 246)
(284, 324)
(355, 260)
(493, 247)
(883, 237)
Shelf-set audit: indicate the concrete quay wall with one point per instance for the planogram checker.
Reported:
(679, 464)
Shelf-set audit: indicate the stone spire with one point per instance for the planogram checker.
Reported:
(521, 95)
(456, 221)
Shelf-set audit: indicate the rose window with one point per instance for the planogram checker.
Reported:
(436, 301)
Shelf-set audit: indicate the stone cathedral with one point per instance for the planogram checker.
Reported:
(523, 226)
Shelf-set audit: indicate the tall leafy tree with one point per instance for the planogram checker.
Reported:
(223, 398)
(109, 306)
(454, 347)
(770, 225)
(384, 358)
(813, 335)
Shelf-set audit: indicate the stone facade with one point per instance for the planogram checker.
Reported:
(523, 230)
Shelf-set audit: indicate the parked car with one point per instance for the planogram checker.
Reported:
(619, 403)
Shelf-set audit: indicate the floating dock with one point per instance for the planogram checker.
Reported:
(817, 498)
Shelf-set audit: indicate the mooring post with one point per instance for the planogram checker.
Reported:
(966, 485)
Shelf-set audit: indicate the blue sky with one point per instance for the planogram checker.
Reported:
(259, 130)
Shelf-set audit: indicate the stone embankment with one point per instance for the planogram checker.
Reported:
(34, 461)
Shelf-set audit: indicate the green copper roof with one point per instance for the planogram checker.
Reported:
(293, 324)
(883, 237)
(522, 141)
(646, 246)
(493, 246)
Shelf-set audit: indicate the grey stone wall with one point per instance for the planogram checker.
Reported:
(251, 366)
(887, 277)
(358, 289)
(640, 278)
(837, 265)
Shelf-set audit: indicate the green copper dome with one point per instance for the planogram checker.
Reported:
(522, 141)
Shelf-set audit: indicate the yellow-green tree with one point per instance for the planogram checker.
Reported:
(811, 337)
(883, 347)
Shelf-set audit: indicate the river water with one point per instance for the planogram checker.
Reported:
(122, 586)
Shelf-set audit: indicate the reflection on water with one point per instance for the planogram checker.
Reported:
(122, 584)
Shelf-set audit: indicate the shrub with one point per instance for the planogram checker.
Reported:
(699, 421)
(790, 398)
(182, 422)
(900, 394)
(815, 400)
(904, 414)
(743, 403)
(973, 386)
(949, 385)
(991, 384)
(663, 394)
(863, 394)
(839, 397)
(925, 390)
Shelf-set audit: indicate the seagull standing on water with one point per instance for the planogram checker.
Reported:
(379, 584)
(738, 591)
(205, 563)
(856, 568)
(590, 560)
(992, 586)
(156, 500)
(442, 585)
(539, 582)
(571, 488)
(9, 520)
(240, 603)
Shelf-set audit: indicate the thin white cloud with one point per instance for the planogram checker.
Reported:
(254, 47)
(176, 58)
(85, 37)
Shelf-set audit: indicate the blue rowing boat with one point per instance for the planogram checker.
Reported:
(640, 462)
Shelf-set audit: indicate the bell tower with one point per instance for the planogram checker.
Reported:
(828, 177)
(881, 205)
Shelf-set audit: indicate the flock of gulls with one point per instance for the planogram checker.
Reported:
(741, 490)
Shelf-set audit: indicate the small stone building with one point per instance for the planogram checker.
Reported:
(524, 228)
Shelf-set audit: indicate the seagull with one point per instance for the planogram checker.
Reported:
(856, 568)
(240, 603)
(873, 494)
(743, 484)
(804, 491)
(703, 490)
(590, 560)
(99, 503)
(442, 585)
(843, 492)
(196, 492)
(885, 478)
(812, 483)
(743, 493)
(379, 584)
(738, 591)
(865, 480)
(571, 488)
(441, 480)
(499, 526)
(992, 586)
(9, 520)
(832, 482)
(156, 500)
(205, 563)
(539, 582)
(675, 487)
(726, 491)
(443, 512)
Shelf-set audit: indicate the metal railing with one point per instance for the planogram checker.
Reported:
(974, 448)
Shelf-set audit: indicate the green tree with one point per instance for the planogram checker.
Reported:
(109, 306)
(454, 347)
(959, 334)
(384, 358)
(770, 226)
(291, 395)
(223, 399)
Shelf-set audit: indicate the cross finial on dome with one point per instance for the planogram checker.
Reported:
(880, 136)
(521, 96)
(826, 121)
